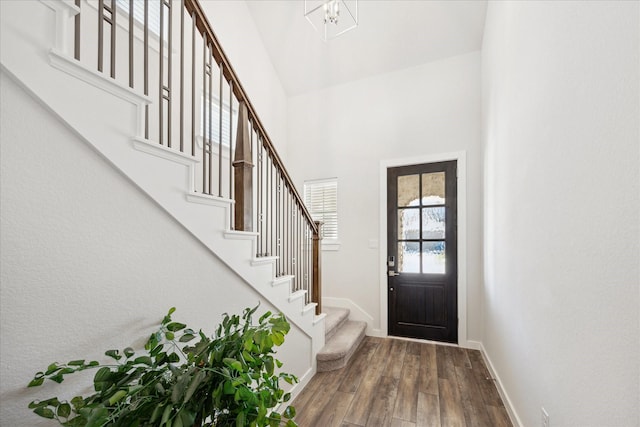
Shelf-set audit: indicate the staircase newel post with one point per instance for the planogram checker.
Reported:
(317, 266)
(243, 174)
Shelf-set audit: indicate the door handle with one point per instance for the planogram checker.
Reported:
(393, 273)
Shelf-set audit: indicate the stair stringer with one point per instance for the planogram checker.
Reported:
(112, 125)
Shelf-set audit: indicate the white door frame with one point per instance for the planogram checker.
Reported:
(461, 158)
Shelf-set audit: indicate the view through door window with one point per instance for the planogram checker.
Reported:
(421, 223)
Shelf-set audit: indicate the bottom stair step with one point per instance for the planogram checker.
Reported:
(339, 349)
(335, 318)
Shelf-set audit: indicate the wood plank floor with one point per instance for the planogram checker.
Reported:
(397, 383)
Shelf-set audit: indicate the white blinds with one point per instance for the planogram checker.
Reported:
(321, 198)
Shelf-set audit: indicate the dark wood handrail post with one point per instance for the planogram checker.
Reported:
(317, 267)
(243, 175)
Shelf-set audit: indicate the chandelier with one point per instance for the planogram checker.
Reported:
(331, 17)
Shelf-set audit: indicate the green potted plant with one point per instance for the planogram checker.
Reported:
(182, 379)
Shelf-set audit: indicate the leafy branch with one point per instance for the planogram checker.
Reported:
(182, 379)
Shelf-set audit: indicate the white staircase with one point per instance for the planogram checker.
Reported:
(108, 116)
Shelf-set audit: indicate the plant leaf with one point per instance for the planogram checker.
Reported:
(97, 417)
(187, 337)
(36, 382)
(240, 420)
(64, 410)
(233, 363)
(156, 412)
(188, 418)
(117, 397)
(77, 402)
(274, 419)
(36, 404)
(144, 360)
(44, 412)
(166, 414)
(176, 326)
(76, 422)
(113, 354)
(229, 388)
(268, 364)
(152, 343)
(264, 317)
(195, 382)
(167, 318)
(57, 378)
(180, 387)
(277, 338)
(52, 368)
(101, 378)
(290, 412)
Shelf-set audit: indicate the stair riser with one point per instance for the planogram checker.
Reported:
(336, 317)
(330, 333)
(332, 365)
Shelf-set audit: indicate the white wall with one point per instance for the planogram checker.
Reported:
(88, 262)
(561, 135)
(347, 130)
(238, 35)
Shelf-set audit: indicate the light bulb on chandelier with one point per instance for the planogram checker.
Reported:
(331, 18)
(332, 12)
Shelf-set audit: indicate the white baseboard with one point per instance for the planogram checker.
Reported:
(296, 389)
(473, 345)
(303, 381)
(376, 333)
(356, 313)
(515, 420)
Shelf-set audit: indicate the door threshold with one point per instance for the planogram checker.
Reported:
(420, 340)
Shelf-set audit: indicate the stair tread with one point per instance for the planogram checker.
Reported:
(342, 343)
(335, 317)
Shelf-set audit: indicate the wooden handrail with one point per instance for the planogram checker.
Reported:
(202, 23)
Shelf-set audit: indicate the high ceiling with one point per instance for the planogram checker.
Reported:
(391, 35)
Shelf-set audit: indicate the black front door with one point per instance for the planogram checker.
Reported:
(422, 251)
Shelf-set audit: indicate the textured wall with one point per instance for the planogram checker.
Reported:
(561, 135)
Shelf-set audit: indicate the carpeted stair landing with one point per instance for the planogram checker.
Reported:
(342, 338)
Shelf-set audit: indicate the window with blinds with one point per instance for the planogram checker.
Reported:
(321, 198)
